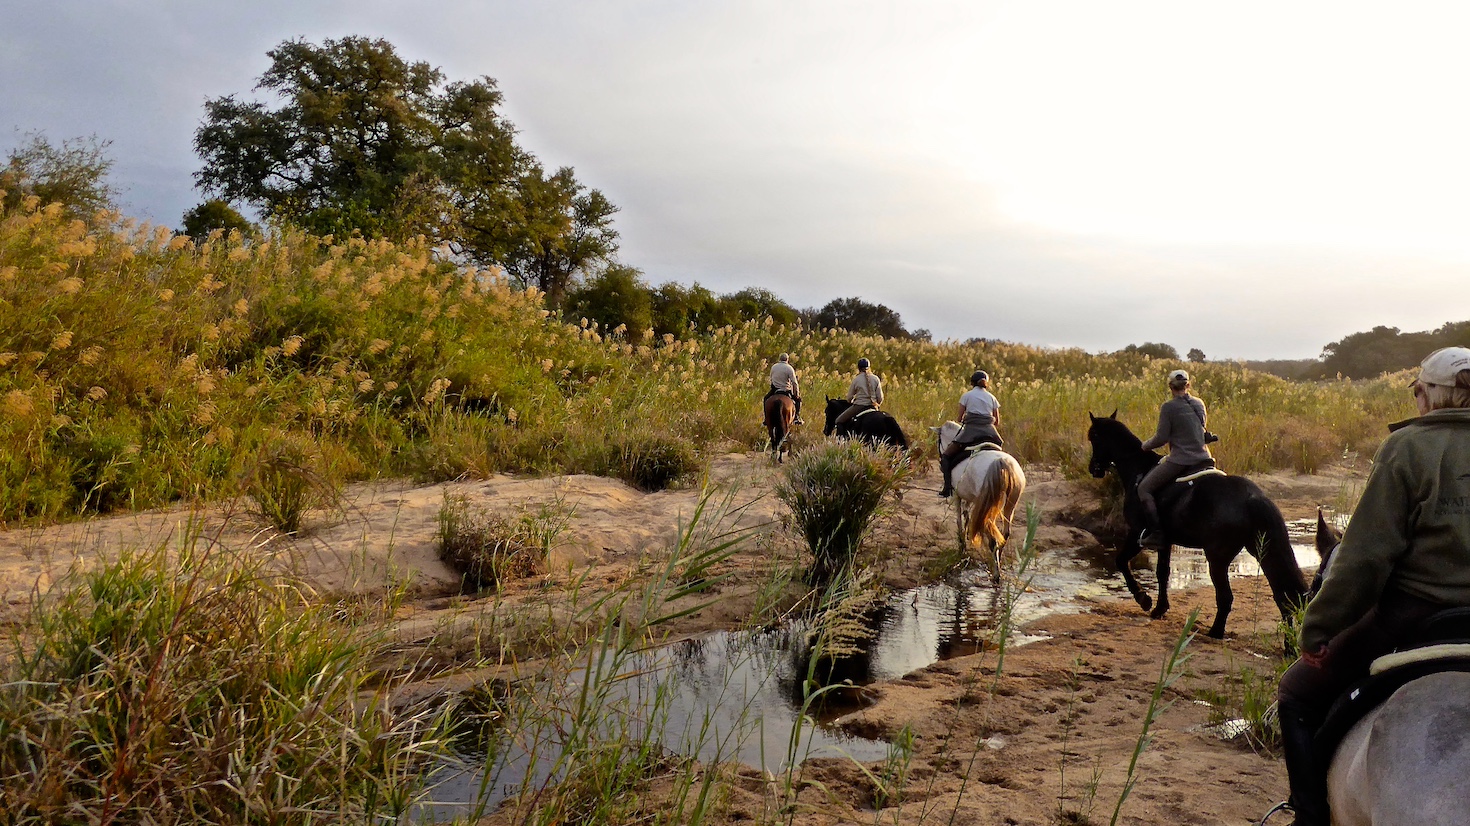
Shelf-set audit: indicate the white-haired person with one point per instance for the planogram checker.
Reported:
(783, 380)
(1404, 557)
(1182, 428)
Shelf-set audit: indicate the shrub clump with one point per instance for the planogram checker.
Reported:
(488, 549)
(652, 461)
(201, 690)
(835, 491)
(283, 484)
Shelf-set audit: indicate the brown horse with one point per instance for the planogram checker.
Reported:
(780, 413)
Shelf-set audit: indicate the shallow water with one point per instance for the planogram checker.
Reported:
(738, 695)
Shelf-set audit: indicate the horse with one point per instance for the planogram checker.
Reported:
(1220, 514)
(874, 427)
(987, 487)
(1408, 759)
(780, 413)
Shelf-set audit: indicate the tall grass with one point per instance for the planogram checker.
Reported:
(201, 688)
(137, 368)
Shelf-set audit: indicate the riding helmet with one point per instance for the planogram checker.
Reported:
(977, 377)
(863, 364)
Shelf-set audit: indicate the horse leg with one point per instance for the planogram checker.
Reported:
(1126, 552)
(1161, 570)
(1224, 597)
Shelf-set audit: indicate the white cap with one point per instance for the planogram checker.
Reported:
(1178, 377)
(1441, 366)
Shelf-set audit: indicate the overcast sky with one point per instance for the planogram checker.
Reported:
(1252, 179)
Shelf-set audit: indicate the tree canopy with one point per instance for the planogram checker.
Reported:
(859, 316)
(358, 139)
(73, 174)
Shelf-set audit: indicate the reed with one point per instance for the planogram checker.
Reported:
(137, 368)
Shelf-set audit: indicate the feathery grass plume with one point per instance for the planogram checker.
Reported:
(191, 686)
(834, 492)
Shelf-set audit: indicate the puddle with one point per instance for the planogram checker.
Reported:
(738, 695)
(1188, 569)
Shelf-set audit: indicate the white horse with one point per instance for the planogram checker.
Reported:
(1408, 761)
(987, 487)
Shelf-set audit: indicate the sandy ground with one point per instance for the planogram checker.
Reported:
(1020, 750)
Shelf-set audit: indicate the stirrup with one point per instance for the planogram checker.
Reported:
(1153, 539)
(1283, 806)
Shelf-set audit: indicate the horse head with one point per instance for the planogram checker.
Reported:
(946, 434)
(1328, 537)
(834, 408)
(1107, 436)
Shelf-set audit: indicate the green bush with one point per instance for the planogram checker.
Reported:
(202, 690)
(284, 485)
(488, 549)
(652, 461)
(834, 492)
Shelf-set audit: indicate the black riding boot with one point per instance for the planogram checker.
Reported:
(946, 467)
(1308, 779)
(1152, 535)
(798, 411)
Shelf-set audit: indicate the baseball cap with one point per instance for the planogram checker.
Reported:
(1178, 376)
(863, 364)
(1441, 366)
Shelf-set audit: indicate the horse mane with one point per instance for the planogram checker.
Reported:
(1117, 431)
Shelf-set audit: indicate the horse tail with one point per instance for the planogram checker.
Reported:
(1273, 550)
(1000, 490)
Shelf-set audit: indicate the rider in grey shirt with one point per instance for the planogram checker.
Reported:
(1182, 428)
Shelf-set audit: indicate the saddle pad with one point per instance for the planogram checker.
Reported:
(1443, 651)
(1214, 471)
(983, 446)
(864, 413)
(1367, 693)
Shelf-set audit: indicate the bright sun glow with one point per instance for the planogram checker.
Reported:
(1300, 124)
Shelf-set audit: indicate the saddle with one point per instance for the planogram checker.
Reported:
(982, 446)
(1200, 471)
(864, 413)
(1442, 644)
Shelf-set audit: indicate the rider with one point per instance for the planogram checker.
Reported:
(783, 380)
(979, 412)
(1182, 428)
(1404, 556)
(865, 393)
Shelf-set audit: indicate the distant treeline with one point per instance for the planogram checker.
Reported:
(618, 296)
(1370, 354)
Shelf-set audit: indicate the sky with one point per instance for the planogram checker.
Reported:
(1253, 179)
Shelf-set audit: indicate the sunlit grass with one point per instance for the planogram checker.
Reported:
(138, 368)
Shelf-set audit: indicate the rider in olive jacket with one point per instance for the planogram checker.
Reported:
(1411, 530)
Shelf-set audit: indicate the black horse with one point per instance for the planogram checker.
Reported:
(1220, 514)
(875, 427)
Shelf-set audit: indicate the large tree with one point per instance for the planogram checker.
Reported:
(859, 316)
(356, 138)
(73, 174)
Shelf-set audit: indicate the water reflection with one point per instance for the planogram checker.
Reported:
(742, 695)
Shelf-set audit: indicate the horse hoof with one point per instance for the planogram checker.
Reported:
(1145, 601)
(1215, 633)
(1159, 612)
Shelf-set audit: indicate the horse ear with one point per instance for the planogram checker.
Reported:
(1114, 417)
(1090, 417)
